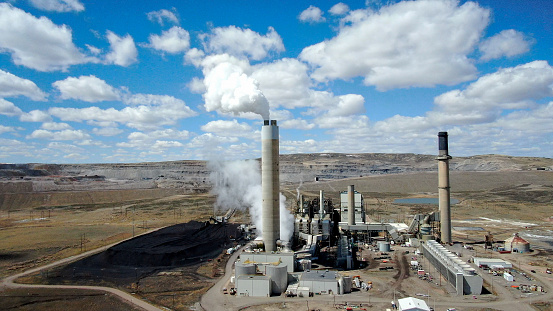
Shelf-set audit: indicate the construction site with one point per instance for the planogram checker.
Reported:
(335, 244)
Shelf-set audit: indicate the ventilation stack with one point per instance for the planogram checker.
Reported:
(321, 204)
(443, 187)
(270, 185)
(351, 206)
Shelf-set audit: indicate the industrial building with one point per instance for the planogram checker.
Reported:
(412, 304)
(358, 202)
(271, 267)
(459, 274)
(492, 263)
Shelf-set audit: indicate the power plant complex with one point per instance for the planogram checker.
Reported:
(326, 237)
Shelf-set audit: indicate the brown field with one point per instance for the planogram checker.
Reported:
(34, 237)
(60, 299)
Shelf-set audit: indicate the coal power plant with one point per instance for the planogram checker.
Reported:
(328, 239)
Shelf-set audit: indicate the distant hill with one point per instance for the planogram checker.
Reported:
(35, 185)
(293, 168)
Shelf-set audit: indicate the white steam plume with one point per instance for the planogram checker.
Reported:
(229, 89)
(286, 220)
(237, 185)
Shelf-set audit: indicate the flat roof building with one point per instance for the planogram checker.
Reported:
(412, 304)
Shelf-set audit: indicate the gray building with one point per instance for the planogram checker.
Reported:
(459, 274)
(320, 282)
(253, 285)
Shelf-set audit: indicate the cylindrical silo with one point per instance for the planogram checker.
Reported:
(279, 278)
(243, 269)
(351, 206)
(443, 187)
(384, 246)
(516, 243)
(270, 184)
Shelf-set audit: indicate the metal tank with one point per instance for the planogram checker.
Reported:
(384, 246)
(279, 278)
(243, 269)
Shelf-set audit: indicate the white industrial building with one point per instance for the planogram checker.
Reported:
(493, 263)
(359, 207)
(412, 304)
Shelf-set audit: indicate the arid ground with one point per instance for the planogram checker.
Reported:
(499, 202)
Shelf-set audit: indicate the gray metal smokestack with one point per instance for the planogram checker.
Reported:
(270, 185)
(351, 206)
(443, 187)
(321, 204)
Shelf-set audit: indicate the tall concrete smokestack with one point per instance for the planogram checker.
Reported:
(270, 184)
(351, 206)
(321, 204)
(443, 187)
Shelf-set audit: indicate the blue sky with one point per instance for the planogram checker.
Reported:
(120, 81)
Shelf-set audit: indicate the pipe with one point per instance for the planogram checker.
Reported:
(270, 184)
(444, 188)
(351, 206)
(321, 204)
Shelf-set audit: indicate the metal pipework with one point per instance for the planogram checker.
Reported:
(351, 206)
(270, 185)
(443, 188)
(321, 204)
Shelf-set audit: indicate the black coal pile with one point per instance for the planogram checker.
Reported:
(180, 245)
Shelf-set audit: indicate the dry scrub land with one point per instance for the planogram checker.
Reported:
(39, 227)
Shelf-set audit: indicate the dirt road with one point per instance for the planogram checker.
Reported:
(8, 282)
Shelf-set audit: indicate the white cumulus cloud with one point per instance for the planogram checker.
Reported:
(35, 116)
(54, 126)
(312, 14)
(508, 88)
(59, 135)
(339, 9)
(58, 5)
(123, 51)
(507, 43)
(5, 129)
(174, 40)
(86, 88)
(163, 15)
(148, 112)
(9, 109)
(12, 85)
(226, 128)
(413, 43)
(242, 42)
(37, 43)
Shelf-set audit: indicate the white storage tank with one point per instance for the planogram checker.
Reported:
(384, 246)
(243, 269)
(279, 278)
